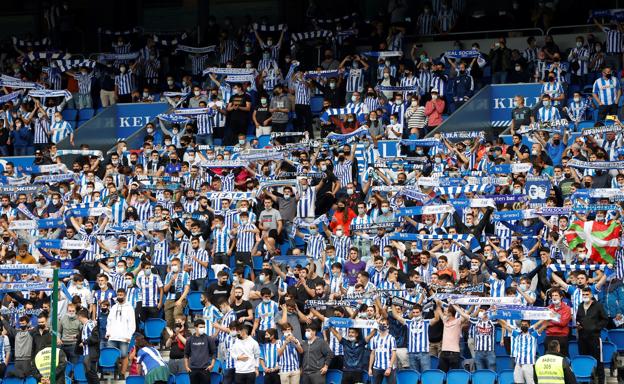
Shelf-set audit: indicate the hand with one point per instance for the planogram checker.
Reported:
(324, 370)
(387, 372)
(209, 369)
(243, 358)
(370, 373)
(188, 369)
(178, 303)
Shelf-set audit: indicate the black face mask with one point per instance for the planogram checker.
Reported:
(24, 327)
(105, 310)
(556, 142)
(121, 300)
(524, 328)
(42, 326)
(587, 184)
(238, 297)
(607, 75)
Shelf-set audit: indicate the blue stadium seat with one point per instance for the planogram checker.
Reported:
(432, 376)
(79, 123)
(540, 349)
(316, 105)
(407, 376)
(457, 376)
(217, 366)
(573, 350)
(70, 114)
(194, 302)
(616, 336)
(333, 376)
(12, 380)
(135, 379)
(608, 350)
(72, 124)
(259, 379)
(108, 359)
(182, 378)
(604, 335)
(10, 368)
(583, 366)
(503, 362)
(69, 367)
(154, 329)
(30, 380)
(68, 380)
(264, 140)
(500, 350)
(484, 376)
(257, 262)
(172, 379)
(434, 362)
(79, 374)
(85, 114)
(216, 378)
(506, 377)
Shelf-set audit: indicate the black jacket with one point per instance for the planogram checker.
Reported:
(592, 321)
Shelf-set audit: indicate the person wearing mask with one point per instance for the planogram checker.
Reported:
(354, 349)
(261, 117)
(220, 289)
(89, 345)
(120, 328)
(520, 114)
(591, 318)
(316, 357)
(607, 92)
(553, 367)
(433, 110)
(246, 354)
(558, 330)
(177, 344)
(238, 114)
(383, 355)
(525, 342)
(69, 329)
(500, 61)
(177, 287)
(279, 108)
(199, 354)
(150, 288)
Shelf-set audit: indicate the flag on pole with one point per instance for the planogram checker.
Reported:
(600, 239)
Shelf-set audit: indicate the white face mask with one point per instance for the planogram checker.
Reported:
(196, 93)
(122, 69)
(174, 268)
(169, 82)
(434, 97)
(339, 233)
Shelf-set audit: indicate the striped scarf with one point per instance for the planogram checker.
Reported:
(382, 53)
(321, 74)
(66, 65)
(30, 43)
(109, 32)
(321, 34)
(199, 50)
(229, 71)
(170, 42)
(10, 96)
(50, 93)
(269, 28)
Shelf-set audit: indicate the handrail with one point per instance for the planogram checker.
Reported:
(570, 26)
(483, 32)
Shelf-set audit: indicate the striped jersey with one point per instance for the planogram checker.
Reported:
(382, 346)
(525, 346)
(160, 253)
(268, 353)
(211, 314)
(149, 287)
(606, 89)
(289, 360)
(124, 83)
(302, 93)
(84, 82)
(42, 130)
(548, 114)
(221, 239)
(60, 130)
(198, 271)
(226, 320)
(355, 80)
(418, 335)
(306, 203)
(177, 286)
(266, 313)
(87, 329)
(615, 40)
(245, 238)
(483, 334)
(315, 245)
(149, 358)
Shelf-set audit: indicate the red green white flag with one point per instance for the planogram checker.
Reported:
(600, 239)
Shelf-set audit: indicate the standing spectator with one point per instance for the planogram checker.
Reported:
(69, 329)
(124, 83)
(23, 346)
(449, 354)
(579, 60)
(520, 115)
(316, 357)
(60, 129)
(433, 110)
(417, 338)
(558, 330)
(525, 349)
(238, 113)
(120, 328)
(383, 355)
(246, 355)
(200, 354)
(150, 291)
(302, 104)
(279, 108)
(500, 61)
(289, 349)
(607, 92)
(84, 79)
(591, 318)
(177, 287)
(108, 96)
(90, 345)
(177, 344)
(462, 86)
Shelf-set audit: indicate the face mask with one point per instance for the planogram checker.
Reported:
(385, 209)
(399, 102)
(598, 49)
(523, 287)
(263, 101)
(128, 282)
(386, 75)
(122, 69)
(332, 85)
(434, 97)
(239, 297)
(474, 268)
(339, 233)
(201, 330)
(174, 268)
(556, 302)
(383, 328)
(481, 315)
(313, 231)
(586, 300)
(579, 44)
(546, 103)
(287, 197)
(308, 335)
(518, 68)
(121, 300)
(607, 75)
(524, 328)
(526, 223)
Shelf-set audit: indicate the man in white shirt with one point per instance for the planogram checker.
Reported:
(119, 329)
(246, 355)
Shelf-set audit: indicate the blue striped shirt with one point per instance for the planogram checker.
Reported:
(42, 130)
(149, 289)
(178, 285)
(198, 271)
(418, 336)
(245, 239)
(606, 89)
(302, 93)
(266, 313)
(525, 346)
(211, 315)
(289, 360)
(149, 358)
(315, 245)
(268, 353)
(124, 83)
(382, 347)
(160, 253)
(306, 203)
(87, 329)
(483, 334)
(60, 130)
(226, 321)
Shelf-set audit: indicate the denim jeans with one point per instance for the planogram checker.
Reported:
(420, 361)
(485, 360)
(499, 77)
(204, 140)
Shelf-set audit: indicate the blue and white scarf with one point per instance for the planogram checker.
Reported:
(234, 196)
(462, 54)
(462, 135)
(62, 244)
(340, 111)
(10, 97)
(66, 65)
(198, 50)
(382, 53)
(223, 164)
(347, 137)
(604, 165)
(173, 118)
(462, 189)
(397, 88)
(425, 210)
(522, 312)
(28, 189)
(514, 215)
(260, 154)
(18, 84)
(321, 34)
(30, 43)
(34, 56)
(170, 42)
(432, 142)
(240, 78)
(50, 93)
(269, 28)
(229, 71)
(510, 168)
(126, 32)
(321, 74)
(44, 179)
(80, 152)
(190, 111)
(118, 56)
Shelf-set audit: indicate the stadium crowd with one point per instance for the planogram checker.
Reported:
(252, 233)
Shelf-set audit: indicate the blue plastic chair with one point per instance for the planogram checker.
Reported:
(10, 368)
(484, 376)
(135, 379)
(608, 350)
(500, 350)
(506, 377)
(316, 104)
(217, 366)
(30, 380)
(457, 376)
(108, 359)
(333, 376)
(69, 367)
(257, 262)
(407, 376)
(69, 114)
(434, 362)
(216, 378)
(432, 376)
(79, 374)
(194, 302)
(583, 366)
(154, 329)
(503, 362)
(616, 336)
(68, 380)
(172, 379)
(12, 380)
(573, 350)
(182, 378)
(85, 113)
(259, 379)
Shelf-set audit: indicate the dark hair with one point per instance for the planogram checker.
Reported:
(198, 322)
(553, 346)
(82, 312)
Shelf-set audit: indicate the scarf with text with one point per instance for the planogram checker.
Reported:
(603, 165)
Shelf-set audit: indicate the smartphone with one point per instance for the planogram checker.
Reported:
(611, 117)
